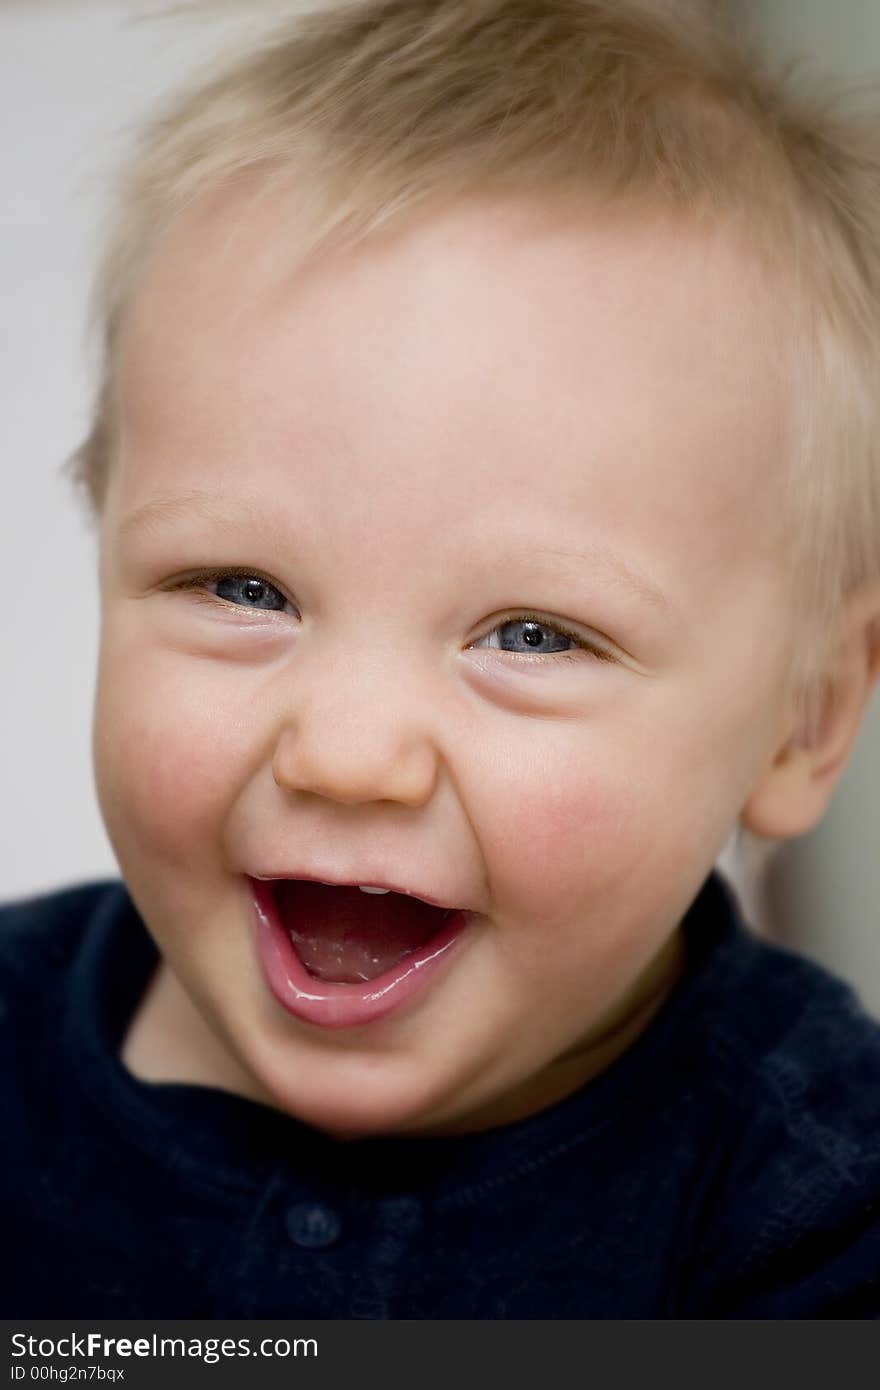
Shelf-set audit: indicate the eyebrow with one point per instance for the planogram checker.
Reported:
(204, 503)
(151, 515)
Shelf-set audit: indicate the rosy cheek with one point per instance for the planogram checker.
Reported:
(560, 839)
(165, 781)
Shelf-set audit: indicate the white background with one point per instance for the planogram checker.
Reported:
(74, 78)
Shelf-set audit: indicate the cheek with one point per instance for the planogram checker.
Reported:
(598, 822)
(562, 827)
(167, 760)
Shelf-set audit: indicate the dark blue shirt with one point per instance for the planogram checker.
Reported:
(727, 1165)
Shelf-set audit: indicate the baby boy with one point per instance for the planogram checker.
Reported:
(489, 516)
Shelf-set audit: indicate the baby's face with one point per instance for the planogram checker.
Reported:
(500, 624)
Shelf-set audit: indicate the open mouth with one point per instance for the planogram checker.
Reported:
(340, 955)
(345, 934)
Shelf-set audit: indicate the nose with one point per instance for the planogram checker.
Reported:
(354, 746)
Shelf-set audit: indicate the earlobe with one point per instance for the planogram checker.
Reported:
(789, 800)
(793, 793)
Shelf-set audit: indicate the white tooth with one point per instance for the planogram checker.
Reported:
(373, 890)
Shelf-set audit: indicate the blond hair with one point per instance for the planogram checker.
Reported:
(375, 107)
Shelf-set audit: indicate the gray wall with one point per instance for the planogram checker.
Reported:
(837, 36)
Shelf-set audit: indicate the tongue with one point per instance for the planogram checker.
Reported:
(344, 935)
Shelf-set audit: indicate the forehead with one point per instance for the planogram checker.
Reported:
(624, 366)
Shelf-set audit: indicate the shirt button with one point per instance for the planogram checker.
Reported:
(313, 1227)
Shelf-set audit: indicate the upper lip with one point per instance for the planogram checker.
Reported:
(366, 882)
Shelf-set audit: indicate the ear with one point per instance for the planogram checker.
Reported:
(793, 793)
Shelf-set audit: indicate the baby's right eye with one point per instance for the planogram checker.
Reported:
(241, 588)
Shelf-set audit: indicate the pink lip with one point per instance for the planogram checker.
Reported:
(332, 1005)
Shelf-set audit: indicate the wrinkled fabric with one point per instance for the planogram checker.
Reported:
(726, 1166)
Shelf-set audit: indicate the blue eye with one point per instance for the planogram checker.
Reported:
(250, 590)
(530, 636)
(525, 635)
(245, 590)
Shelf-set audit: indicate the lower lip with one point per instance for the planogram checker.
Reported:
(331, 1005)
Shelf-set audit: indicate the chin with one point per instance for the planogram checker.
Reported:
(342, 1102)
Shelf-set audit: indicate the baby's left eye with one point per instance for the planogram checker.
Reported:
(537, 637)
